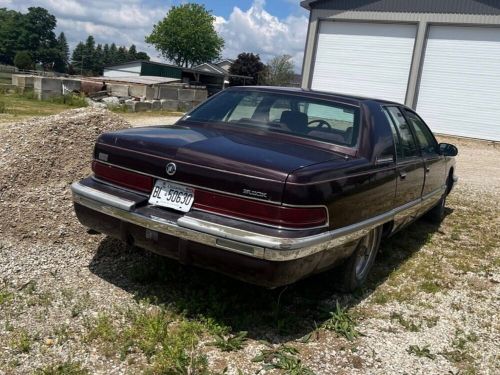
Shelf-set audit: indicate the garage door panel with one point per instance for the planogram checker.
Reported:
(367, 59)
(460, 82)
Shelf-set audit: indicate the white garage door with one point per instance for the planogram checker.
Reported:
(367, 59)
(460, 85)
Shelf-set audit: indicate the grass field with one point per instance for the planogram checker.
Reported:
(15, 107)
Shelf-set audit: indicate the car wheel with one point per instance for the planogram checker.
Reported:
(436, 214)
(355, 269)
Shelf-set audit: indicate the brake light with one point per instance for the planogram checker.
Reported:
(260, 212)
(122, 177)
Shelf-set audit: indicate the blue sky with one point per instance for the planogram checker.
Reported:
(266, 27)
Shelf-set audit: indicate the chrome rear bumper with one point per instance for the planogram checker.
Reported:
(232, 239)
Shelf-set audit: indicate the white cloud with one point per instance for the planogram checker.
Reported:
(123, 22)
(257, 31)
(128, 21)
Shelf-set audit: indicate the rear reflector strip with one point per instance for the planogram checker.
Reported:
(260, 212)
(122, 177)
(223, 204)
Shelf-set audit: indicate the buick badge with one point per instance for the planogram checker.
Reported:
(171, 169)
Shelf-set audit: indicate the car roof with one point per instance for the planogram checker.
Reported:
(350, 99)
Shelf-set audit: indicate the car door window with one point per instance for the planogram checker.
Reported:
(407, 144)
(426, 140)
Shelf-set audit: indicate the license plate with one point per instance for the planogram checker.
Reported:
(167, 194)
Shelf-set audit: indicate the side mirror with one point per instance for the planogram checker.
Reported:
(448, 150)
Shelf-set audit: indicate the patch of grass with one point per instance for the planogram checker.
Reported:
(431, 287)
(21, 342)
(5, 297)
(3, 107)
(342, 323)
(231, 342)
(421, 351)
(71, 100)
(101, 329)
(63, 368)
(19, 106)
(169, 344)
(406, 323)
(282, 358)
(41, 299)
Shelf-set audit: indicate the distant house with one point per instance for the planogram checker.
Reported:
(221, 67)
(213, 79)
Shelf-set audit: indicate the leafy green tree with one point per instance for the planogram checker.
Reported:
(23, 60)
(132, 52)
(37, 35)
(79, 59)
(247, 64)
(279, 71)
(61, 64)
(142, 56)
(10, 22)
(187, 35)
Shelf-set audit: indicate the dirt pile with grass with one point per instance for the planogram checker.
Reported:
(39, 159)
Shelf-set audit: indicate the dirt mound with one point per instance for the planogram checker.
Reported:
(39, 159)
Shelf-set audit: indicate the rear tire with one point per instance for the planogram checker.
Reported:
(436, 214)
(356, 268)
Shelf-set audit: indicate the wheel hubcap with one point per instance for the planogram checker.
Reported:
(366, 250)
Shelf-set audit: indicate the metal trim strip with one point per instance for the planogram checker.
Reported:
(264, 246)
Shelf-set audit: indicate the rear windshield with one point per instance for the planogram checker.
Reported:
(306, 117)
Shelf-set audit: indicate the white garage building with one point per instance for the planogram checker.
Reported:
(441, 57)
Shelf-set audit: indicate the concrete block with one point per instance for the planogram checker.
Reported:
(46, 94)
(156, 105)
(47, 84)
(130, 104)
(196, 103)
(186, 94)
(91, 87)
(169, 105)
(185, 106)
(70, 85)
(142, 91)
(167, 92)
(200, 95)
(117, 89)
(142, 106)
(23, 81)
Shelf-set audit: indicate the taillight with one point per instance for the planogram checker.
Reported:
(122, 177)
(260, 212)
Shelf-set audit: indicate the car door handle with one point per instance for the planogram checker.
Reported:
(402, 175)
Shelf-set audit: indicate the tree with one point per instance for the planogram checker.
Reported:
(132, 53)
(79, 58)
(37, 35)
(142, 56)
(187, 35)
(61, 64)
(33, 32)
(23, 60)
(279, 71)
(247, 64)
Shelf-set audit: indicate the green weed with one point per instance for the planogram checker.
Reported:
(22, 342)
(421, 351)
(406, 323)
(63, 368)
(282, 358)
(342, 323)
(231, 342)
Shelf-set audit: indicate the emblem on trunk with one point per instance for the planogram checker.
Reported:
(171, 169)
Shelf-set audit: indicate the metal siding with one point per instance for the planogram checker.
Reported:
(149, 69)
(485, 7)
(459, 90)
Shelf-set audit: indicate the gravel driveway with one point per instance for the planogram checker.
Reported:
(77, 303)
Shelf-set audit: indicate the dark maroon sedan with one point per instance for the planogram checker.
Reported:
(269, 185)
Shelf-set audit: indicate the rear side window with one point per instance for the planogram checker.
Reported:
(406, 147)
(426, 140)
